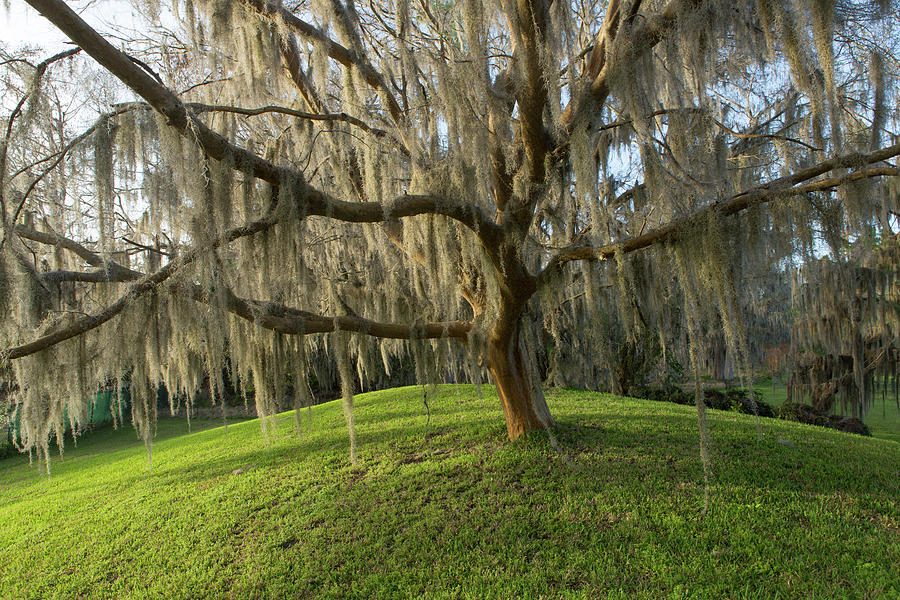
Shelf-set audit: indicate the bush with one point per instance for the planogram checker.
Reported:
(669, 393)
(716, 399)
(804, 413)
(736, 399)
(739, 400)
(742, 401)
(848, 425)
(6, 446)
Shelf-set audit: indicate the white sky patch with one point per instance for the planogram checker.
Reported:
(22, 26)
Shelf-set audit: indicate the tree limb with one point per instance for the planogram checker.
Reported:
(778, 188)
(618, 44)
(310, 200)
(267, 315)
(53, 239)
(198, 108)
(532, 97)
(142, 286)
(291, 321)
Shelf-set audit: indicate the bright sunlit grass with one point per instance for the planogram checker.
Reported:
(453, 509)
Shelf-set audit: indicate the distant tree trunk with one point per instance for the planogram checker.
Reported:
(518, 385)
(722, 369)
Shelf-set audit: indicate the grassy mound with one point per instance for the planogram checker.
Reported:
(452, 509)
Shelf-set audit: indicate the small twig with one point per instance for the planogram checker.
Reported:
(145, 67)
(770, 136)
(427, 418)
(145, 247)
(39, 72)
(201, 108)
(427, 408)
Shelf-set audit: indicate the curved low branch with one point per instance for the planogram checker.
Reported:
(318, 204)
(88, 256)
(291, 321)
(778, 188)
(268, 315)
(141, 287)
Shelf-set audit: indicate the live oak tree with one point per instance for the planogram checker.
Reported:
(845, 334)
(475, 184)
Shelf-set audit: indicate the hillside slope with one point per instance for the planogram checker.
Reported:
(454, 510)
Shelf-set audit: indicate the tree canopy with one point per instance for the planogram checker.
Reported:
(513, 188)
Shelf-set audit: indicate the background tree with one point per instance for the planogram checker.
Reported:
(459, 181)
(846, 346)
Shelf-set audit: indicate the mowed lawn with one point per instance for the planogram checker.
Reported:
(448, 508)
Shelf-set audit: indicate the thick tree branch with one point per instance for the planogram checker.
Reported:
(532, 99)
(631, 41)
(291, 321)
(268, 315)
(142, 83)
(141, 287)
(115, 273)
(108, 271)
(779, 188)
(616, 46)
(290, 53)
(52, 239)
(311, 201)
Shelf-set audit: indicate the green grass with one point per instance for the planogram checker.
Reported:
(883, 418)
(456, 511)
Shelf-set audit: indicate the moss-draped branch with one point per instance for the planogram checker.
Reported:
(782, 187)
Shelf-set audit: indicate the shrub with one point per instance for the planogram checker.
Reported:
(741, 402)
(804, 413)
(6, 447)
(669, 393)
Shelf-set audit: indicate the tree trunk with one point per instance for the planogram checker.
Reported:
(518, 385)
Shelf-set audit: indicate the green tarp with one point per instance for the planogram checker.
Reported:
(98, 414)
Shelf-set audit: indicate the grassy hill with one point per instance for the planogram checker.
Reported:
(454, 510)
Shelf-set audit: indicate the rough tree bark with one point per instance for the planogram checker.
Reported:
(524, 405)
(508, 358)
